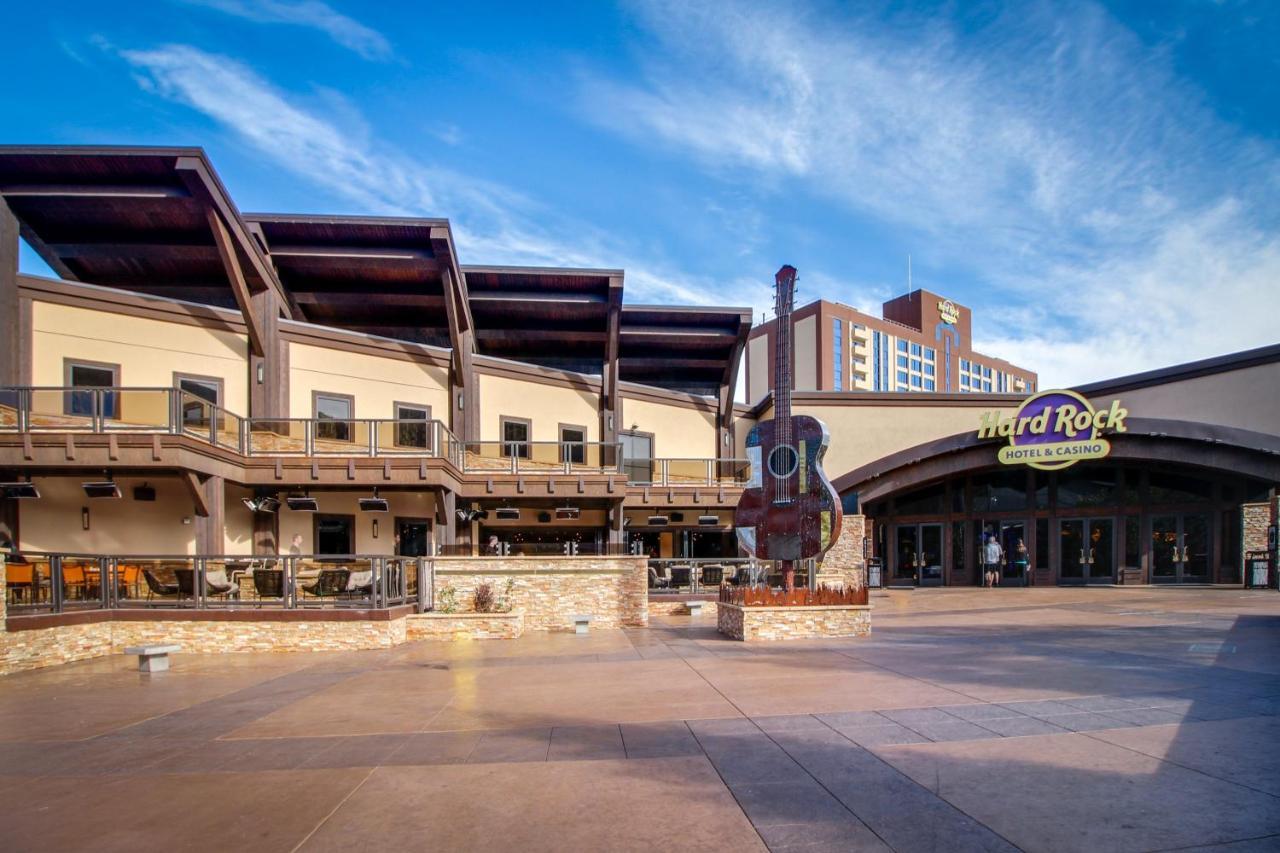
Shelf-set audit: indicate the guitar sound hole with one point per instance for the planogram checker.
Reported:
(783, 461)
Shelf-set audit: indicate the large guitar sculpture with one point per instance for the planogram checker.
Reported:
(789, 510)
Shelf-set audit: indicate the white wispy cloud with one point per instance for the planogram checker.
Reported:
(491, 223)
(344, 30)
(1049, 154)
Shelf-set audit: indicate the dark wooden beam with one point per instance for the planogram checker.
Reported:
(210, 526)
(729, 387)
(268, 370)
(366, 299)
(519, 336)
(557, 297)
(201, 183)
(235, 278)
(138, 251)
(195, 489)
(417, 257)
(90, 191)
(10, 314)
(610, 401)
(47, 254)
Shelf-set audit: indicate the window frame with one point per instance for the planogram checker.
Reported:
(111, 408)
(344, 423)
(567, 446)
(347, 518)
(527, 423)
(396, 406)
(219, 390)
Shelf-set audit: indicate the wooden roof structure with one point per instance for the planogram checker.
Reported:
(158, 221)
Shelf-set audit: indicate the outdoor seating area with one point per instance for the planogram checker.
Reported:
(700, 575)
(51, 583)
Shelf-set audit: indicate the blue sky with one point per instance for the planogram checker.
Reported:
(1101, 183)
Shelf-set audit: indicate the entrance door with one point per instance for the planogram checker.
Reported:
(919, 554)
(1087, 552)
(1180, 548)
(1013, 542)
(413, 537)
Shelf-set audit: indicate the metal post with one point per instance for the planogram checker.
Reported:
(373, 438)
(309, 437)
(55, 583)
(105, 583)
(213, 425)
(290, 594)
(421, 568)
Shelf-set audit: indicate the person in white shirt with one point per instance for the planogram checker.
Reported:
(992, 557)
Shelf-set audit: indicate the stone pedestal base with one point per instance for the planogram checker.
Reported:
(793, 623)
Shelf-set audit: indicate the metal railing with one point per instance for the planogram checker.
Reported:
(176, 411)
(537, 549)
(697, 576)
(542, 457)
(59, 583)
(685, 472)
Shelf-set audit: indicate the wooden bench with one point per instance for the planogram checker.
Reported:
(694, 607)
(152, 658)
(581, 622)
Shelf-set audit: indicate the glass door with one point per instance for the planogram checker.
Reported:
(930, 558)
(1087, 552)
(1017, 559)
(1180, 548)
(906, 553)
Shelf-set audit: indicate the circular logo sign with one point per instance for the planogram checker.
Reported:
(1054, 429)
(949, 312)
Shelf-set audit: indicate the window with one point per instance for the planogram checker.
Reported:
(412, 427)
(964, 364)
(915, 381)
(902, 377)
(837, 347)
(986, 372)
(333, 413)
(964, 382)
(915, 349)
(515, 437)
(902, 345)
(199, 395)
(986, 386)
(335, 534)
(915, 365)
(91, 374)
(876, 358)
(928, 370)
(902, 361)
(573, 447)
(928, 385)
(929, 353)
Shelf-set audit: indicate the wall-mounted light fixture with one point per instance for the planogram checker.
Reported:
(375, 528)
(461, 401)
(262, 372)
(84, 518)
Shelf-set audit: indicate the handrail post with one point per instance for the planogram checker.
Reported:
(290, 590)
(97, 416)
(373, 440)
(106, 583)
(55, 582)
(710, 472)
(213, 425)
(24, 410)
(666, 470)
(309, 437)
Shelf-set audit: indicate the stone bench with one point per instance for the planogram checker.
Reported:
(694, 607)
(152, 658)
(581, 622)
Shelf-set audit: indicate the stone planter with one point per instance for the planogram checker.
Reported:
(793, 623)
(464, 626)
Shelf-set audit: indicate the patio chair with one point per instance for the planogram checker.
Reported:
(75, 579)
(657, 581)
(360, 584)
(330, 583)
(155, 586)
(680, 575)
(713, 574)
(268, 583)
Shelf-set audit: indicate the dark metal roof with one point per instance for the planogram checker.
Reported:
(681, 348)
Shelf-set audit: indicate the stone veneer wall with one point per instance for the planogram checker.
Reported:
(677, 608)
(843, 565)
(548, 590)
(793, 623)
(464, 626)
(1255, 518)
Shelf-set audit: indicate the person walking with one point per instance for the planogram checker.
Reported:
(992, 557)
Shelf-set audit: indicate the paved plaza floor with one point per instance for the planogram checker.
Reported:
(1103, 719)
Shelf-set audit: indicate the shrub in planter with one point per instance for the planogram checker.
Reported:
(448, 600)
(484, 598)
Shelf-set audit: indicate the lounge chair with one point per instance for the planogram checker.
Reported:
(155, 586)
(657, 581)
(268, 583)
(329, 584)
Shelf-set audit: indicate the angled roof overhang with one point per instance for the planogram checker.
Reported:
(550, 317)
(691, 349)
(387, 276)
(149, 220)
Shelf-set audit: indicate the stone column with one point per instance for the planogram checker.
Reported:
(843, 565)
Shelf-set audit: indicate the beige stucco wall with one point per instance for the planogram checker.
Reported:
(547, 406)
(148, 351)
(237, 521)
(806, 358)
(404, 504)
(757, 368)
(123, 526)
(862, 434)
(679, 432)
(1243, 399)
(376, 383)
